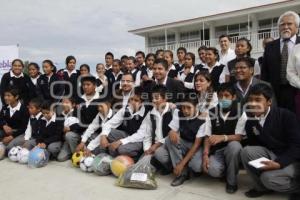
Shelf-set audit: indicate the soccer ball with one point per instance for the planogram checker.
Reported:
(23, 156)
(120, 164)
(86, 164)
(101, 164)
(76, 157)
(2, 150)
(38, 157)
(13, 153)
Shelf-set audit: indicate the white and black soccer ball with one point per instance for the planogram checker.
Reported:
(13, 153)
(86, 164)
(23, 156)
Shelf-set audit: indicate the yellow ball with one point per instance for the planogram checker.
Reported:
(76, 157)
(120, 164)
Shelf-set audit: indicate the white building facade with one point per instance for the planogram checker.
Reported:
(255, 23)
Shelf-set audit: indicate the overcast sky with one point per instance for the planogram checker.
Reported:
(88, 29)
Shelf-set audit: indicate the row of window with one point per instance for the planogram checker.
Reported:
(264, 26)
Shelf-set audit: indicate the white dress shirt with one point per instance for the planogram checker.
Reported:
(293, 67)
(28, 131)
(12, 110)
(210, 69)
(181, 76)
(226, 57)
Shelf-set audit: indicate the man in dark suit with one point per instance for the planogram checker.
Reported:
(175, 88)
(275, 60)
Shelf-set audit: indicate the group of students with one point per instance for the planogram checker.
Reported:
(192, 118)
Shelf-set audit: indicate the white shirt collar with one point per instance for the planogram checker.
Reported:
(13, 75)
(14, 109)
(87, 102)
(107, 68)
(67, 114)
(34, 80)
(37, 116)
(154, 111)
(191, 71)
(109, 115)
(211, 68)
(292, 39)
(72, 72)
(140, 112)
(263, 118)
(244, 93)
(172, 67)
(164, 82)
(53, 118)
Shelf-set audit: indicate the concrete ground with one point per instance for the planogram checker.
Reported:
(61, 181)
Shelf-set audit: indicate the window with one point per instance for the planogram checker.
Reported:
(265, 24)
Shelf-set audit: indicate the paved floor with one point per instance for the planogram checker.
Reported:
(60, 181)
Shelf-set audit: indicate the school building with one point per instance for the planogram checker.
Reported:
(254, 23)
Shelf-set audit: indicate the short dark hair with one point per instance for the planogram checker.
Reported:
(86, 66)
(248, 61)
(215, 51)
(128, 74)
(36, 102)
(138, 91)
(69, 58)
(150, 55)
(109, 54)
(46, 105)
(163, 62)
(12, 90)
(228, 87)
(51, 64)
(191, 97)
(35, 65)
(124, 57)
(161, 90)
(91, 79)
(17, 60)
(140, 52)
(181, 49)
(158, 51)
(202, 48)
(118, 61)
(224, 36)
(261, 89)
(248, 44)
(192, 55)
(132, 59)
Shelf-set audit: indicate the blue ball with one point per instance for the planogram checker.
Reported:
(38, 157)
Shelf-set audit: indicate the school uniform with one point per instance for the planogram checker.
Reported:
(50, 134)
(224, 157)
(72, 78)
(242, 95)
(136, 73)
(108, 69)
(204, 104)
(28, 138)
(179, 66)
(187, 79)
(114, 82)
(49, 89)
(16, 118)
(189, 129)
(229, 70)
(21, 82)
(87, 110)
(72, 137)
(92, 135)
(123, 124)
(175, 89)
(120, 100)
(275, 136)
(217, 74)
(146, 71)
(226, 57)
(33, 86)
(173, 72)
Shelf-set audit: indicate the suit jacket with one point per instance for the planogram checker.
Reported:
(175, 89)
(271, 65)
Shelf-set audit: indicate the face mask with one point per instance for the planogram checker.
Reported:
(225, 103)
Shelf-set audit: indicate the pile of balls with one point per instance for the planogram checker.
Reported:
(35, 158)
(102, 164)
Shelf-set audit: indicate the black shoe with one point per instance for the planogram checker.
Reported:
(230, 189)
(179, 180)
(253, 193)
(294, 196)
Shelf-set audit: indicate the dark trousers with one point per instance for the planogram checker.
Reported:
(285, 95)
